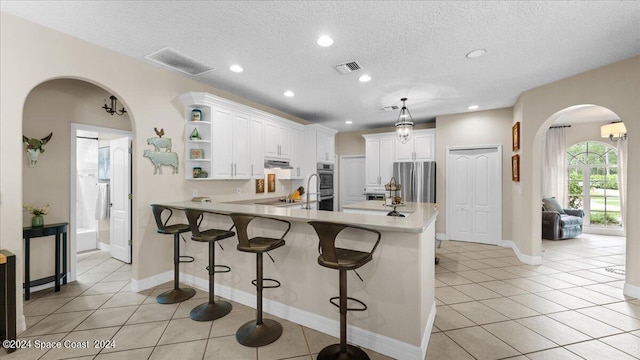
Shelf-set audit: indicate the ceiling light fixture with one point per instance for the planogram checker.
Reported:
(404, 125)
(236, 68)
(113, 109)
(473, 107)
(348, 122)
(364, 78)
(614, 131)
(476, 53)
(288, 93)
(325, 41)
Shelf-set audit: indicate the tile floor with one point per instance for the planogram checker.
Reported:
(489, 306)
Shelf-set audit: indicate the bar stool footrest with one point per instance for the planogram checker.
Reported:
(363, 308)
(186, 259)
(255, 283)
(225, 267)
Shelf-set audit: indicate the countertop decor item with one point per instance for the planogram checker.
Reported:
(37, 212)
(195, 135)
(35, 147)
(196, 115)
(196, 154)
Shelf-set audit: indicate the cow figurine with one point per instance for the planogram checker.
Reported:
(35, 147)
(162, 158)
(160, 143)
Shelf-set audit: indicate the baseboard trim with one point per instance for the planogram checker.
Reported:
(376, 342)
(631, 290)
(21, 324)
(527, 259)
(441, 236)
(104, 247)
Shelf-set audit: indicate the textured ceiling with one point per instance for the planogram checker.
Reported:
(410, 49)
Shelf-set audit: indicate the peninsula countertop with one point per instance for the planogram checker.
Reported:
(423, 214)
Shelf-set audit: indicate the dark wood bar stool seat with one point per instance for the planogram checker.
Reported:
(343, 260)
(212, 309)
(259, 332)
(177, 294)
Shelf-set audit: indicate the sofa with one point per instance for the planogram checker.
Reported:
(559, 223)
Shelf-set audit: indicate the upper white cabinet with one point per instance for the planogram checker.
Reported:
(256, 148)
(297, 153)
(420, 147)
(326, 147)
(277, 140)
(320, 145)
(379, 151)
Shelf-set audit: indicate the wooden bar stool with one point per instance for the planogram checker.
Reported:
(342, 260)
(177, 294)
(261, 331)
(212, 309)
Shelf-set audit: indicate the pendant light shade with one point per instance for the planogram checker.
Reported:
(404, 125)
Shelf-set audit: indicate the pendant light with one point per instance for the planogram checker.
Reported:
(404, 126)
(113, 109)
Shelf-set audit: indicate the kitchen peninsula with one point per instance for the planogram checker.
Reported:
(398, 285)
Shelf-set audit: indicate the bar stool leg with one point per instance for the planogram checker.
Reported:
(177, 294)
(343, 350)
(213, 309)
(259, 332)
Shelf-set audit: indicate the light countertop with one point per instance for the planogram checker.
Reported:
(378, 205)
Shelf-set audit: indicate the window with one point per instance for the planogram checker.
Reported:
(593, 183)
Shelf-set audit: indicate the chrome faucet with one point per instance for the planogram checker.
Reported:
(308, 205)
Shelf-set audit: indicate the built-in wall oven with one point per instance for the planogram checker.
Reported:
(326, 175)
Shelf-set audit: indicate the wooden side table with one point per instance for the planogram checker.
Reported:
(8, 298)
(60, 274)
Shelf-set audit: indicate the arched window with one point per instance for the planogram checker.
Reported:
(593, 183)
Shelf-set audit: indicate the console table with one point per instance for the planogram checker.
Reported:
(60, 273)
(8, 299)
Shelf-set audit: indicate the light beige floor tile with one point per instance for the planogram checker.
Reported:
(317, 340)
(31, 352)
(551, 282)
(89, 302)
(537, 303)
(125, 299)
(593, 276)
(201, 295)
(138, 336)
(106, 288)
(521, 271)
(439, 303)
(544, 270)
(449, 295)
(503, 288)
(585, 324)
(185, 307)
(519, 337)
(442, 347)
(597, 350)
(66, 291)
(82, 343)
(228, 348)
(107, 317)
(118, 276)
(590, 295)
(554, 354)
(44, 306)
(57, 323)
(564, 299)
(495, 262)
(528, 285)
(561, 267)
(474, 265)
(137, 354)
(608, 290)
(193, 350)
(449, 319)
(572, 279)
(32, 320)
(509, 308)
(624, 342)
(498, 273)
(439, 283)
(152, 312)
(481, 344)
(476, 292)
(626, 308)
(478, 313)
(636, 333)
(90, 278)
(107, 267)
(613, 318)
(476, 276)
(180, 330)
(555, 331)
(229, 324)
(291, 343)
(453, 279)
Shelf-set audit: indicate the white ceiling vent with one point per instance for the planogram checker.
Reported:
(391, 108)
(348, 67)
(177, 61)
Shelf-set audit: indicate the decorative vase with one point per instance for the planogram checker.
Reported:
(37, 221)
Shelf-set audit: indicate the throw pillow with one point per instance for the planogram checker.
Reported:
(551, 204)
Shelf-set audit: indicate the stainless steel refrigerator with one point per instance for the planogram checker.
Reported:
(417, 180)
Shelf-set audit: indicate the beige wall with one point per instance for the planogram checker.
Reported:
(616, 87)
(491, 127)
(586, 132)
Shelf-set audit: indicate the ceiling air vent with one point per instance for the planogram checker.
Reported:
(177, 61)
(391, 108)
(348, 67)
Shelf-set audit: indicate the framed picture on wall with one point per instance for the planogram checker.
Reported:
(515, 136)
(196, 154)
(104, 166)
(515, 168)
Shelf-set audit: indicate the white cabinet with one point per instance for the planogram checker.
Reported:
(325, 147)
(379, 159)
(297, 154)
(256, 148)
(277, 140)
(420, 147)
(230, 144)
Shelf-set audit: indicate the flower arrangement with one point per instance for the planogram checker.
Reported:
(36, 210)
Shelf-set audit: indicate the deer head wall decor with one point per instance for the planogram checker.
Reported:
(35, 147)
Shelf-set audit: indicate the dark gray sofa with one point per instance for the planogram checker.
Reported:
(559, 223)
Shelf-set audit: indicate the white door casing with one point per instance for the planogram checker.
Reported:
(120, 213)
(352, 179)
(474, 194)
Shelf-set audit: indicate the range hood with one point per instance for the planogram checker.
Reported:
(276, 164)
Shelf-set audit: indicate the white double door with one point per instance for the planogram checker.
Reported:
(474, 194)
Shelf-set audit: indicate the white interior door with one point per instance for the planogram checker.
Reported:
(120, 214)
(474, 195)
(352, 180)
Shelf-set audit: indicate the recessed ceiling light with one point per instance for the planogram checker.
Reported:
(364, 78)
(476, 53)
(325, 41)
(473, 107)
(236, 68)
(348, 122)
(288, 93)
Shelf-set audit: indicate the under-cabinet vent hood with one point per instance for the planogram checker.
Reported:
(276, 164)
